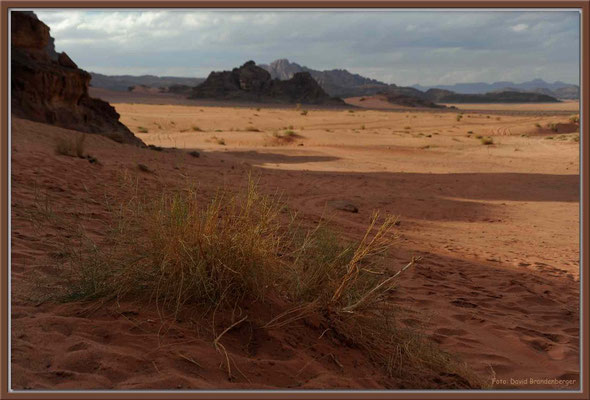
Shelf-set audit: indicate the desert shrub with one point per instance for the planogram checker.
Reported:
(553, 126)
(459, 116)
(142, 129)
(537, 125)
(575, 119)
(144, 168)
(179, 253)
(197, 129)
(251, 129)
(71, 146)
(304, 112)
(487, 141)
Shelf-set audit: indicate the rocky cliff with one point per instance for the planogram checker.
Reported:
(49, 87)
(252, 83)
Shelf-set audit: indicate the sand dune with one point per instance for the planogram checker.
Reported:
(497, 226)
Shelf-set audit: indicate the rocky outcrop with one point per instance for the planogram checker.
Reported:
(336, 82)
(252, 83)
(52, 89)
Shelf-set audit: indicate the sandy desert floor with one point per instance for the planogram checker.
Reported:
(497, 226)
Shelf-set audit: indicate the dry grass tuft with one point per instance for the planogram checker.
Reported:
(71, 146)
(235, 250)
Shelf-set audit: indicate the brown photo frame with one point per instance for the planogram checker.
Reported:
(582, 5)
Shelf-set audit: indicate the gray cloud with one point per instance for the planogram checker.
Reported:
(403, 47)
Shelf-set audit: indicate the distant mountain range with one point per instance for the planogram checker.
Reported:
(557, 89)
(342, 83)
(336, 82)
(123, 83)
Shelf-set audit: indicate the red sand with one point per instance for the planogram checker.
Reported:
(498, 230)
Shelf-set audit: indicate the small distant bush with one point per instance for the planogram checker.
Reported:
(251, 129)
(538, 125)
(553, 126)
(487, 141)
(575, 119)
(479, 137)
(194, 153)
(142, 129)
(197, 129)
(72, 147)
(144, 168)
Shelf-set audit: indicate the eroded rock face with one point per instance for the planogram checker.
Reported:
(51, 89)
(252, 83)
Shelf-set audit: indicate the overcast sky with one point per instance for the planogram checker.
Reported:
(402, 47)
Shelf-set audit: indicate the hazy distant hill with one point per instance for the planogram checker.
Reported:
(336, 82)
(124, 82)
(556, 89)
(571, 92)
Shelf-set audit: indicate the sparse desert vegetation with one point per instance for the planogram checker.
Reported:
(305, 268)
(70, 146)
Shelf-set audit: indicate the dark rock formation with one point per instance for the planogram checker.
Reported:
(409, 100)
(446, 96)
(252, 83)
(52, 89)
